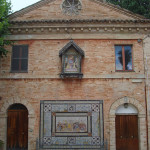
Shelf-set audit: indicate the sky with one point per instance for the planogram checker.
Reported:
(19, 4)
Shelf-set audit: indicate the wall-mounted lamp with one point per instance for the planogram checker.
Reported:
(139, 40)
(125, 99)
(125, 105)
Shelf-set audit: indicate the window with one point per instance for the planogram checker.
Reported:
(71, 7)
(123, 58)
(19, 58)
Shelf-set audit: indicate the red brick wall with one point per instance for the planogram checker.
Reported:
(100, 81)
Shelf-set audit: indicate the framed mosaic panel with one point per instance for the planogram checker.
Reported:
(71, 125)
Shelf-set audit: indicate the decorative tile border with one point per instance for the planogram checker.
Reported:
(71, 124)
(95, 107)
(96, 140)
(71, 140)
(47, 107)
(71, 108)
(47, 140)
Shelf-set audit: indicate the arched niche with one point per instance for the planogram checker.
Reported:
(17, 106)
(126, 108)
(10, 103)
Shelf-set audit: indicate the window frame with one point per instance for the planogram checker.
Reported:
(123, 55)
(20, 60)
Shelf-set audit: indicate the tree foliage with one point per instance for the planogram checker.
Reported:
(1, 143)
(128, 58)
(5, 10)
(141, 7)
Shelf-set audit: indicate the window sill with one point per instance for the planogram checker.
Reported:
(18, 71)
(125, 71)
(71, 75)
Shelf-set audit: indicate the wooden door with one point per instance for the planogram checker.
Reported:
(127, 132)
(17, 130)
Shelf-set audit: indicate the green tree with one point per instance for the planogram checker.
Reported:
(128, 58)
(5, 10)
(141, 7)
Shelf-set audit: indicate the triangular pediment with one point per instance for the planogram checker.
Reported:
(91, 9)
(69, 45)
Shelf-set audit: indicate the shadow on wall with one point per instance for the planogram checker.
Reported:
(1, 145)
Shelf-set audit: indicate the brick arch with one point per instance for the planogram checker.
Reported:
(31, 116)
(18, 100)
(141, 117)
(129, 100)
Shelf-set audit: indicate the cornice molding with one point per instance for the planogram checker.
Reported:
(79, 29)
(80, 21)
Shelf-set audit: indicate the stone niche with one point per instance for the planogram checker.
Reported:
(71, 124)
(71, 55)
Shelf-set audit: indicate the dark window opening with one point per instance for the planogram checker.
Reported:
(17, 107)
(123, 56)
(19, 58)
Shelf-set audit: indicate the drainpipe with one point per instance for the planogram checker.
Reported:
(146, 89)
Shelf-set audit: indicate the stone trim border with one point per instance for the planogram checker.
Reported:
(62, 30)
(31, 119)
(141, 122)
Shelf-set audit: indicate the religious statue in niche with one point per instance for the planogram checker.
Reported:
(71, 63)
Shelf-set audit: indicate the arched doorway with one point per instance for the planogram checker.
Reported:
(127, 127)
(17, 127)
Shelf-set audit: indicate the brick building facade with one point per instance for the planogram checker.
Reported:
(109, 88)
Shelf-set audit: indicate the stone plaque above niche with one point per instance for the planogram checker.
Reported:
(71, 124)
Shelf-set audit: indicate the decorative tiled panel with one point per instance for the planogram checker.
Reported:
(47, 107)
(95, 107)
(47, 140)
(96, 140)
(71, 140)
(71, 124)
(71, 108)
